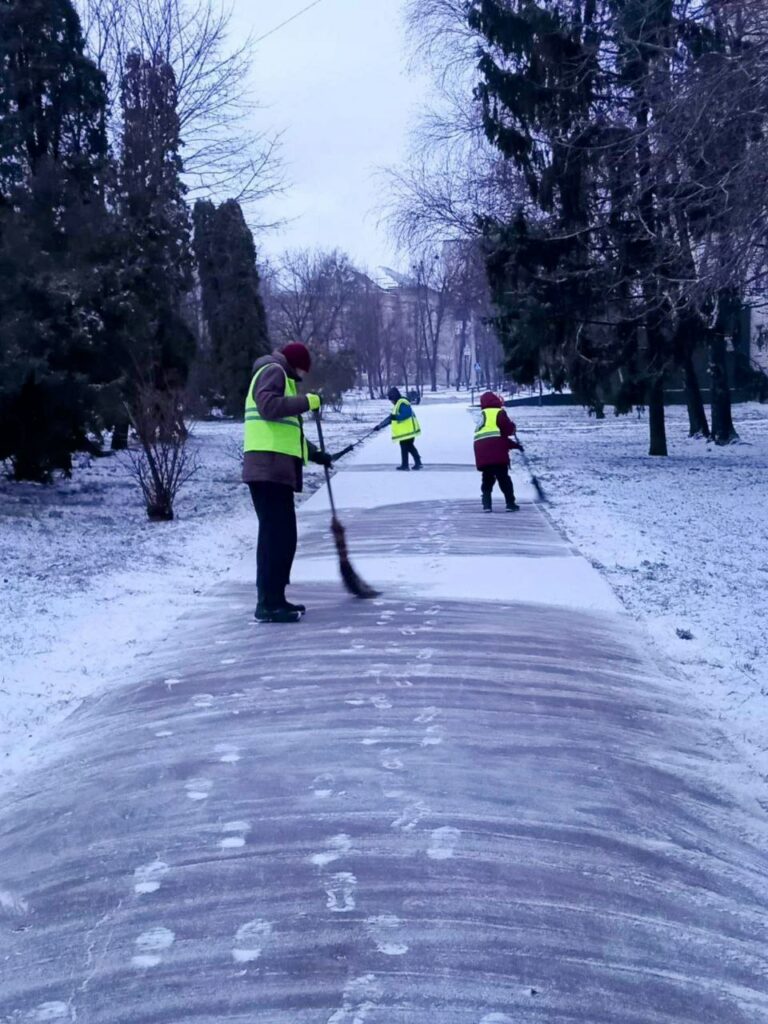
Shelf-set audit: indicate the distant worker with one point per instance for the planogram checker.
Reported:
(405, 428)
(276, 451)
(494, 439)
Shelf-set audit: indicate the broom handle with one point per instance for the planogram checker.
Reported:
(319, 425)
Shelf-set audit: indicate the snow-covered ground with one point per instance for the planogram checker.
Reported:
(683, 541)
(89, 585)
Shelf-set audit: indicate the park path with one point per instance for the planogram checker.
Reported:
(476, 800)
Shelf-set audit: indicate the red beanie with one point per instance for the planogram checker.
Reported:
(298, 356)
(490, 401)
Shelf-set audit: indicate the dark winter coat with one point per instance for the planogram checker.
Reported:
(273, 404)
(494, 451)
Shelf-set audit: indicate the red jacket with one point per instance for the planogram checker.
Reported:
(494, 451)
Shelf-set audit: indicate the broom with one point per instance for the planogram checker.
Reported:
(534, 479)
(353, 583)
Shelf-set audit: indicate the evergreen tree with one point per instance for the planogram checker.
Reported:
(231, 298)
(155, 224)
(53, 159)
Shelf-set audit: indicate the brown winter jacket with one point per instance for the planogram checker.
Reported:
(273, 404)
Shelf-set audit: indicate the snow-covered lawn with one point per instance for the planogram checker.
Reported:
(88, 583)
(683, 541)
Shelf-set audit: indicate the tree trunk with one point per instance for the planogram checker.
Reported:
(723, 430)
(656, 420)
(697, 414)
(120, 436)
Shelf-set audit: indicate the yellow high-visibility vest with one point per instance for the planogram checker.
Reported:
(404, 430)
(489, 427)
(284, 437)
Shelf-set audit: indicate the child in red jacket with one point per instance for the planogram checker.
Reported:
(494, 439)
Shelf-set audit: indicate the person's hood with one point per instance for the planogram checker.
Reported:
(488, 400)
(275, 357)
(394, 395)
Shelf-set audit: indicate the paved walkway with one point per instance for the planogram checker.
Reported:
(428, 809)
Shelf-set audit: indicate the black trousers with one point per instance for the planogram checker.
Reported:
(409, 448)
(499, 475)
(277, 540)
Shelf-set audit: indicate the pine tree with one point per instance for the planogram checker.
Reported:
(53, 160)
(231, 298)
(156, 228)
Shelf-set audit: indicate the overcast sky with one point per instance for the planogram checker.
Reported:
(336, 82)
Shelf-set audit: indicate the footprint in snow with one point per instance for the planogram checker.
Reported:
(151, 945)
(337, 847)
(51, 1011)
(443, 843)
(361, 997)
(385, 931)
(433, 736)
(12, 905)
(203, 700)
(228, 753)
(149, 877)
(376, 736)
(234, 835)
(391, 762)
(340, 890)
(198, 789)
(250, 941)
(496, 1018)
(427, 716)
(410, 817)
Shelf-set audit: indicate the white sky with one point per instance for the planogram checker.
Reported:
(335, 81)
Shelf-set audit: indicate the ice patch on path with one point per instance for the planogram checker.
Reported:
(250, 941)
(150, 945)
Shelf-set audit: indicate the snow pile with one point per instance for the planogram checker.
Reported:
(683, 541)
(88, 583)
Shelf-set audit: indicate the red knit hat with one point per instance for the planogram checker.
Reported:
(488, 400)
(298, 356)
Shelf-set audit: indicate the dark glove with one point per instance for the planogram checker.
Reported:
(384, 423)
(321, 458)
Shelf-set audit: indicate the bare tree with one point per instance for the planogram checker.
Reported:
(163, 461)
(223, 155)
(308, 293)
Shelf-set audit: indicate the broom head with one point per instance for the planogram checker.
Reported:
(353, 583)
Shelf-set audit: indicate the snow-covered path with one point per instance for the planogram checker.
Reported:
(473, 801)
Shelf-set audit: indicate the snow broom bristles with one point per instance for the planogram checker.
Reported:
(353, 583)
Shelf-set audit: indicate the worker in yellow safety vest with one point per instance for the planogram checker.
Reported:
(405, 429)
(275, 453)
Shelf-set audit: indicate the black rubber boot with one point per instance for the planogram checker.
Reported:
(404, 469)
(283, 614)
(512, 506)
(300, 608)
(487, 503)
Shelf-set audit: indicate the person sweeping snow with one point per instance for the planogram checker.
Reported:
(405, 428)
(494, 439)
(276, 451)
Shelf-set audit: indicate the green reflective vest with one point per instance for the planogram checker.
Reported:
(284, 437)
(404, 430)
(489, 427)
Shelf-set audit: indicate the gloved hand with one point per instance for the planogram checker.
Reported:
(384, 423)
(322, 458)
(315, 401)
